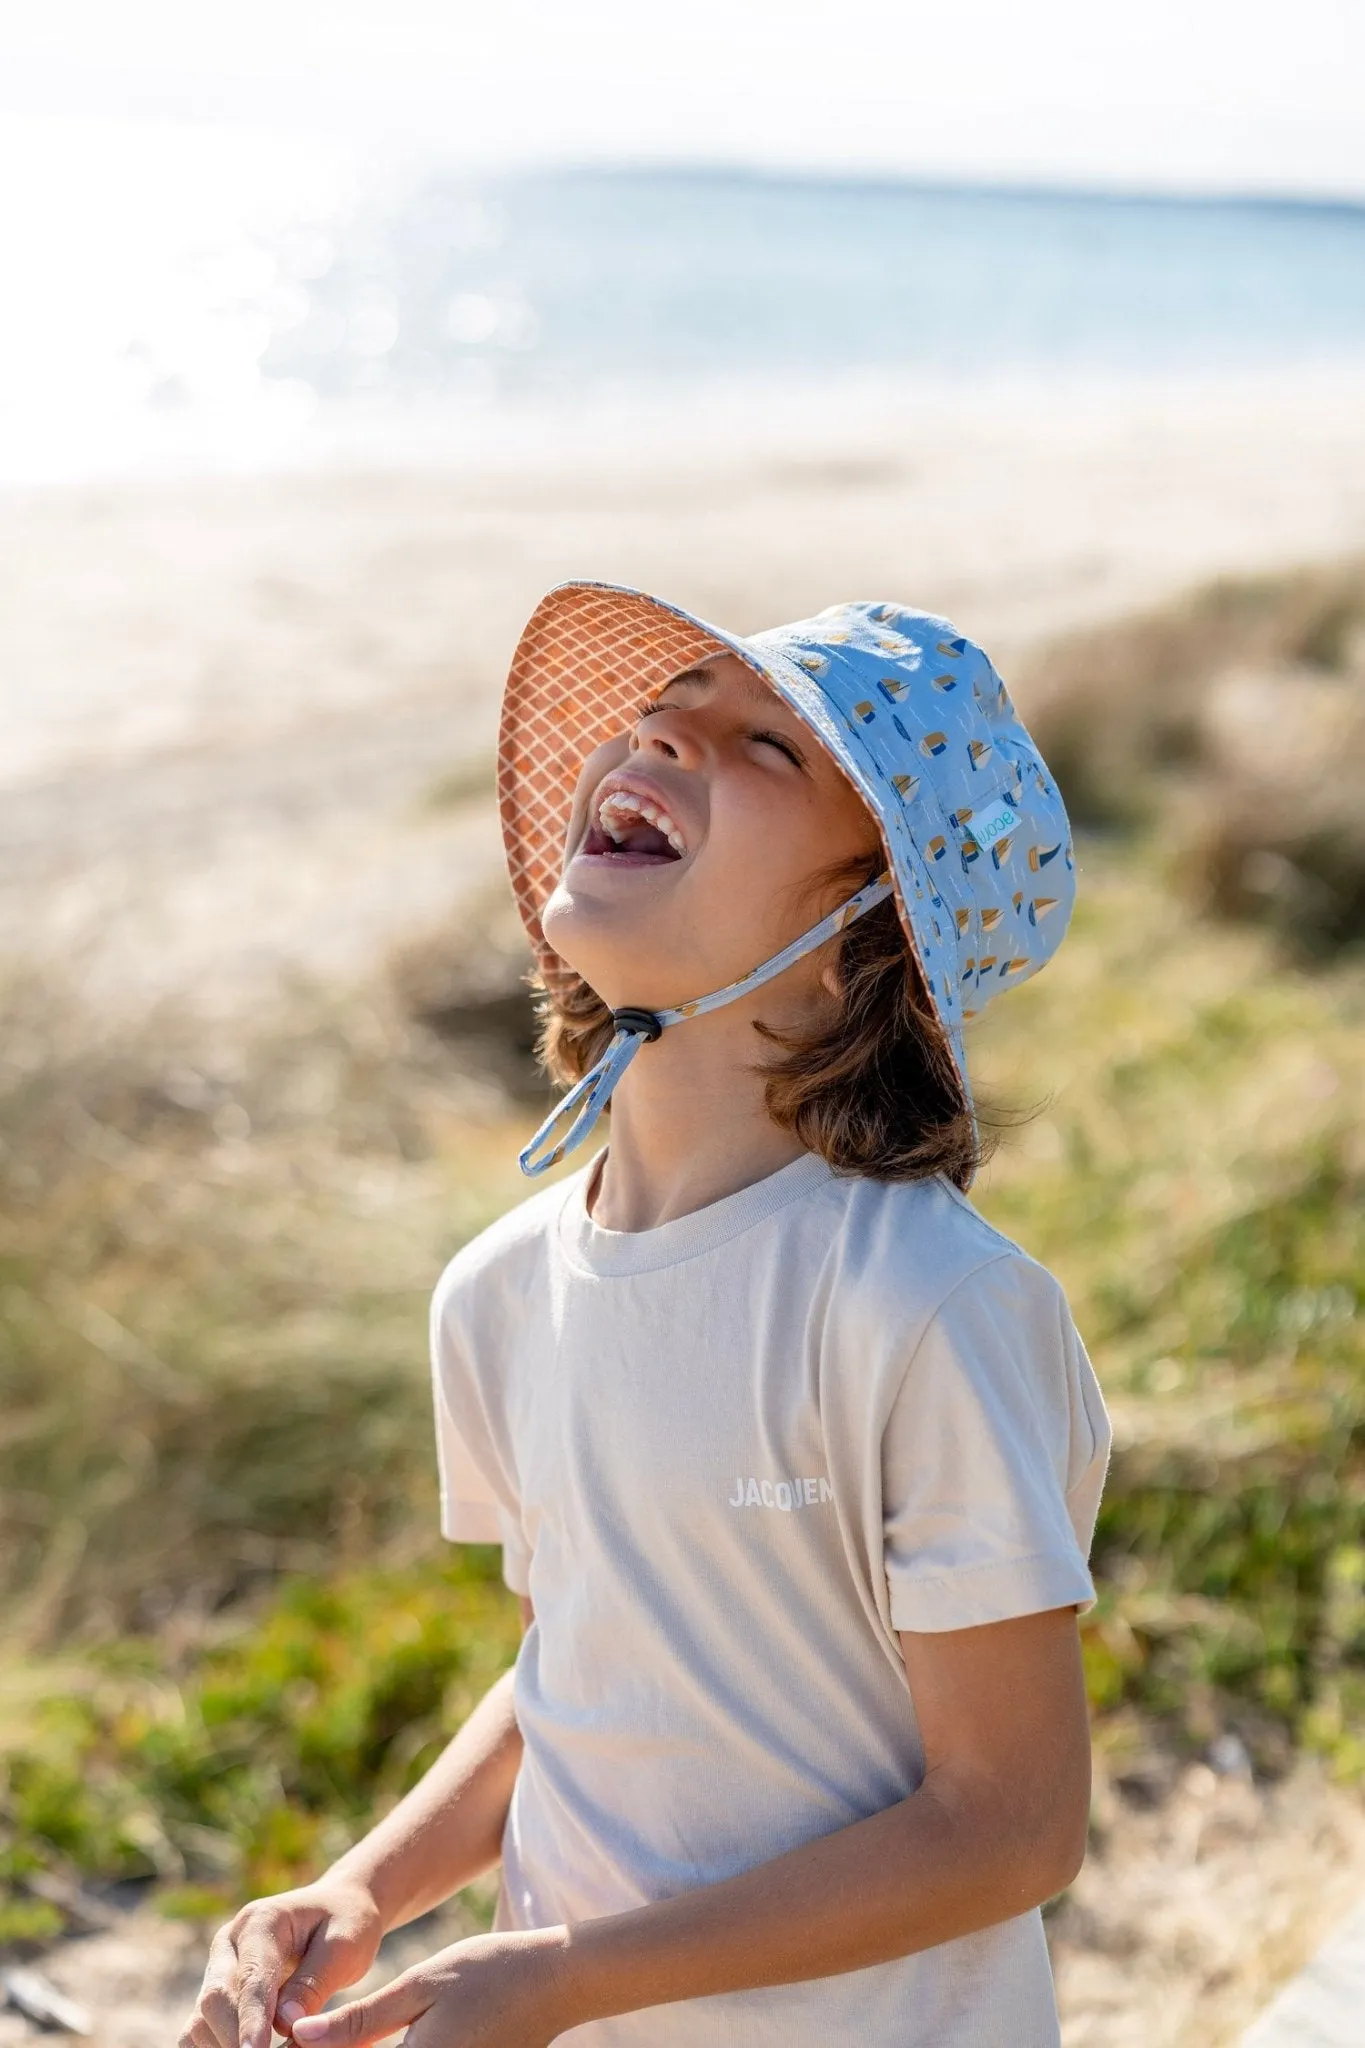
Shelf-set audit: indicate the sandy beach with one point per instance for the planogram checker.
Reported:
(247, 722)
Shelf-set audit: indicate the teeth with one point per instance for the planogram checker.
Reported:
(620, 810)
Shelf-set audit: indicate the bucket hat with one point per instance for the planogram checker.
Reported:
(978, 849)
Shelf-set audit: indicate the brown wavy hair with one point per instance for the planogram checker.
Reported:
(870, 1085)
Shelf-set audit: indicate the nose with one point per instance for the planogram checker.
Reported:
(670, 735)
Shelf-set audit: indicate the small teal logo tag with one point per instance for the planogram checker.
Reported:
(991, 824)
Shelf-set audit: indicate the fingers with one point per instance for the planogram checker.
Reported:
(198, 2034)
(278, 1961)
(302, 1994)
(329, 1961)
(237, 2002)
(366, 2019)
(262, 1960)
(213, 2023)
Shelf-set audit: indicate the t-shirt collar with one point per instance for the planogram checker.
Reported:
(614, 1253)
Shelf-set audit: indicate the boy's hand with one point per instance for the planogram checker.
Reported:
(494, 1991)
(283, 1957)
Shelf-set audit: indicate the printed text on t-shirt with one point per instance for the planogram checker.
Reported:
(783, 1494)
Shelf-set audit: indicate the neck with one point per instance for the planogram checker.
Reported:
(689, 1124)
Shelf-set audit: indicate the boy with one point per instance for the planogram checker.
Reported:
(793, 1459)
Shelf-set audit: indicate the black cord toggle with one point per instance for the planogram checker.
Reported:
(643, 1023)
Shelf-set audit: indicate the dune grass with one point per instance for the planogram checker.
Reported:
(213, 1272)
(231, 1632)
(1234, 721)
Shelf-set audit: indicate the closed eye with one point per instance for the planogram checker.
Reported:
(771, 739)
(783, 745)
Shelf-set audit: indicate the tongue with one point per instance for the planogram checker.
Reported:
(644, 838)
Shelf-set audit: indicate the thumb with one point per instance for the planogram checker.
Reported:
(366, 2019)
(330, 1961)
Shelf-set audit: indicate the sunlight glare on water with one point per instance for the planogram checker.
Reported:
(199, 297)
(146, 268)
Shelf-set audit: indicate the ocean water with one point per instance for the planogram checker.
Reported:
(205, 299)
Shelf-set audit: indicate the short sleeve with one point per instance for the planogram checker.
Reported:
(993, 1457)
(477, 1484)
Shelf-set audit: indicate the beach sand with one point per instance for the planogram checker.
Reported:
(247, 723)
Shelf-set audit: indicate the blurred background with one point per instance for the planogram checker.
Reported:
(332, 338)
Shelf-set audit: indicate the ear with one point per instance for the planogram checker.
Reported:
(829, 980)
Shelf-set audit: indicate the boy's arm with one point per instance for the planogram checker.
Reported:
(997, 1826)
(448, 1829)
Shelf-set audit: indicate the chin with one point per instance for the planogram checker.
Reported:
(620, 952)
(600, 941)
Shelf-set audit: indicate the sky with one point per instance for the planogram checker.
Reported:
(1185, 95)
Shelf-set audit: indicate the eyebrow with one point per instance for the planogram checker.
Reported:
(701, 678)
(692, 678)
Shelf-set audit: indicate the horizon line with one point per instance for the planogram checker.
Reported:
(739, 170)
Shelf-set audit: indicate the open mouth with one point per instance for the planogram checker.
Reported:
(631, 830)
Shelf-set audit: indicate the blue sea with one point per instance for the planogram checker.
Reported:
(575, 282)
(193, 301)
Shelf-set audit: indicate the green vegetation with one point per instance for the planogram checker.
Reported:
(271, 1753)
(231, 1634)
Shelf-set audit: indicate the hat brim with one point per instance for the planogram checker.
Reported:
(590, 654)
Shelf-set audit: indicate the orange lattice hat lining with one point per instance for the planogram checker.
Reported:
(587, 659)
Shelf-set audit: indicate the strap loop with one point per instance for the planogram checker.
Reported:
(643, 1022)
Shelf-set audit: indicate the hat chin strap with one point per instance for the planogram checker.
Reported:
(569, 1123)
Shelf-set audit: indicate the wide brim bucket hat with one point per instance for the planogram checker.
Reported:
(975, 834)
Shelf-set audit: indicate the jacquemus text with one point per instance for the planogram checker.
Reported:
(783, 1494)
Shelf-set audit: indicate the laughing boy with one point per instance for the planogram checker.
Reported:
(794, 1460)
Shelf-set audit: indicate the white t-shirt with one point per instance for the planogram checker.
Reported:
(729, 1458)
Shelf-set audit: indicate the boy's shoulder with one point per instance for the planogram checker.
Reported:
(932, 1214)
(509, 1251)
(907, 1245)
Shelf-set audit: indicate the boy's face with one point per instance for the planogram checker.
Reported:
(695, 839)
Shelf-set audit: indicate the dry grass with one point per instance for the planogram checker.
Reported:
(1201, 1895)
(1234, 722)
(214, 1262)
